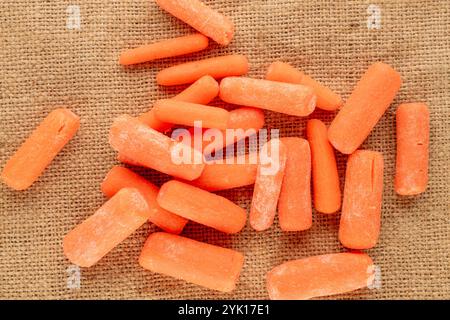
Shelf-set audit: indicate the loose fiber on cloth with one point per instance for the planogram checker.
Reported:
(45, 64)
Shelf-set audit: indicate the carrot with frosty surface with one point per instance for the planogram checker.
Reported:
(217, 67)
(196, 262)
(413, 138)
(361, 208)
(292, 99)
(283, 72)
(40, 148)
(371, 97)
(319, 276)
(202, 18)
(201, 206)
(118, 218)
(327, 191)
(120, 177)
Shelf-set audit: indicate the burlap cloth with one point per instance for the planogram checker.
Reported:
(43, 65)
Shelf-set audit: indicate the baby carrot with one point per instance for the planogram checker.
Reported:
(283, 72)
(361, 208)
(327, 192)
(293, 99)
(196, 262)
(294, 205)
(201, 17)
(201, 206)
(120, 177)
(165, 49)
(118, 218)
(39, 149)
(217, 67)
(319, 276)
(413, 135)
(372, 95)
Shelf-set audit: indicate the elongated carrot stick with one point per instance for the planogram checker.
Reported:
(217, 67)
(201, 206)
(361, 208)
(326, 98)
(120, 177)
(196, 262)
(294, 205)
(201, 17)
(327, 192)
(319, 276)
(118, 218)
(372, 95)
(39, 149)
(165, 49)
(293, 99)
(413, 138)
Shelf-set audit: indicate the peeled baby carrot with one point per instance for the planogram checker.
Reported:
(118, 218)
(293, 99)
(147, 147)
(319, 276)
(217, 67)
(361, 208)
(201, 17)
(120, 177)
(413, 138)
(268, 182)
(294, 205)
(201, 206)
(283, 72)
(39, 149)
(327, 192)
(196, 262)
(372, 95)
(165, 49)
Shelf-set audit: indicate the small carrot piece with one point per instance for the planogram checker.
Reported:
(165, 49)
(293, 99)
(193, 261)
(319, 276)
(361, 208)
(119, 177)
(413, 138)
(294, 205)
(118, 218)
(202, 18)
(371, 97)
(327, 192)
(217, 67)
(40, 148)
(201, 206)
(283, 72)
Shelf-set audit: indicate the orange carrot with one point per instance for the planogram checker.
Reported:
(118, 218)
(217, 67)
(39, 149)
(152, 149)
(283, 72)
(372, 95)
(196, 262)
(293, 99)
(413, 135)
(165, 49)
(201, 206)
(294, 205)
(319, 276)
(327, 192)
(120, 177)
(201, 17)
(361, 208)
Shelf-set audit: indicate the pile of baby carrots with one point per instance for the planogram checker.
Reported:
(143, 141)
